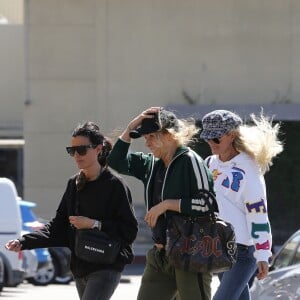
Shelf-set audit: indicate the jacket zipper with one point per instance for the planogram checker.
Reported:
(147, 186)
(165, 178)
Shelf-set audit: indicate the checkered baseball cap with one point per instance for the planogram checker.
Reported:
(219, 122)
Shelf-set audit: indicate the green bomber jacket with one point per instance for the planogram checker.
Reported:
(186, 175)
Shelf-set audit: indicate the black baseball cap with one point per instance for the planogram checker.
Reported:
(162, 119)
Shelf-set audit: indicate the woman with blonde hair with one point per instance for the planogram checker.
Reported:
(172, 175)
(241, 154)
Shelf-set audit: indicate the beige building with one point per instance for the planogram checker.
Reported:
(107, 60)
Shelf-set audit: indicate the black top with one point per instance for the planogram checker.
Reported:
(107, 199)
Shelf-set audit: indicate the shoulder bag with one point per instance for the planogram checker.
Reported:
(96, 246)
(201, 244)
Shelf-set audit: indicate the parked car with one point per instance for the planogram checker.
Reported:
(53, 262)
(61, 257)
(1, 274)
(283, 280)
(30, 263)
(10, 228)
(44, 273)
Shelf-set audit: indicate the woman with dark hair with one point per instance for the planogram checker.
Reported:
(103, 201)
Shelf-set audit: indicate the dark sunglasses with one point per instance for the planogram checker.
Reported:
(81, 150)
(215, 140)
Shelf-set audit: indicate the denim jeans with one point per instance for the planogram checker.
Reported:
(234, 283)
(98, 285)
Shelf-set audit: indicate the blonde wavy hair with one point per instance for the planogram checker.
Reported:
(186, 132)
(259, 140)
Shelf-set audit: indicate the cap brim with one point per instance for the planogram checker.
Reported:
(134, 134)
(148, 127)
(210, 134)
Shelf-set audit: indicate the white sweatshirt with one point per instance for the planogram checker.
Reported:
(241, 196)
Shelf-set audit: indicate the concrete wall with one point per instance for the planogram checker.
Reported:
(12, 80)
(107, 60)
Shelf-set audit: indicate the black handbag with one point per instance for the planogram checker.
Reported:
(96, 246)
(201, 244)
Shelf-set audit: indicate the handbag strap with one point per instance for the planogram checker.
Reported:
(76, 203)
(76, 208)
(76, 198)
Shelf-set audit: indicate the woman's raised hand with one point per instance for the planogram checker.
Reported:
(134, 123)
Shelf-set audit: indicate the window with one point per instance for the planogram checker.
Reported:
(290, 254)
(11, 162)
(11, 12)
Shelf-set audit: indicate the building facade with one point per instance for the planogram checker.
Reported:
(106, 61)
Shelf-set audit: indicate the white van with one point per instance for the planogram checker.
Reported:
(10, 228)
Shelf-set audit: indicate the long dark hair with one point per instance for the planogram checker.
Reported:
(92, 132)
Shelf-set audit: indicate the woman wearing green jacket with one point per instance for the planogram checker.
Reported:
(172, 175)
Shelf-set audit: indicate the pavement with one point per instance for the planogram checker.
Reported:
(127, 289)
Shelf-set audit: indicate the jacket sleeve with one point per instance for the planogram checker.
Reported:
(118, 158)
(200, 179)
(54, 233)
(135, 164)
